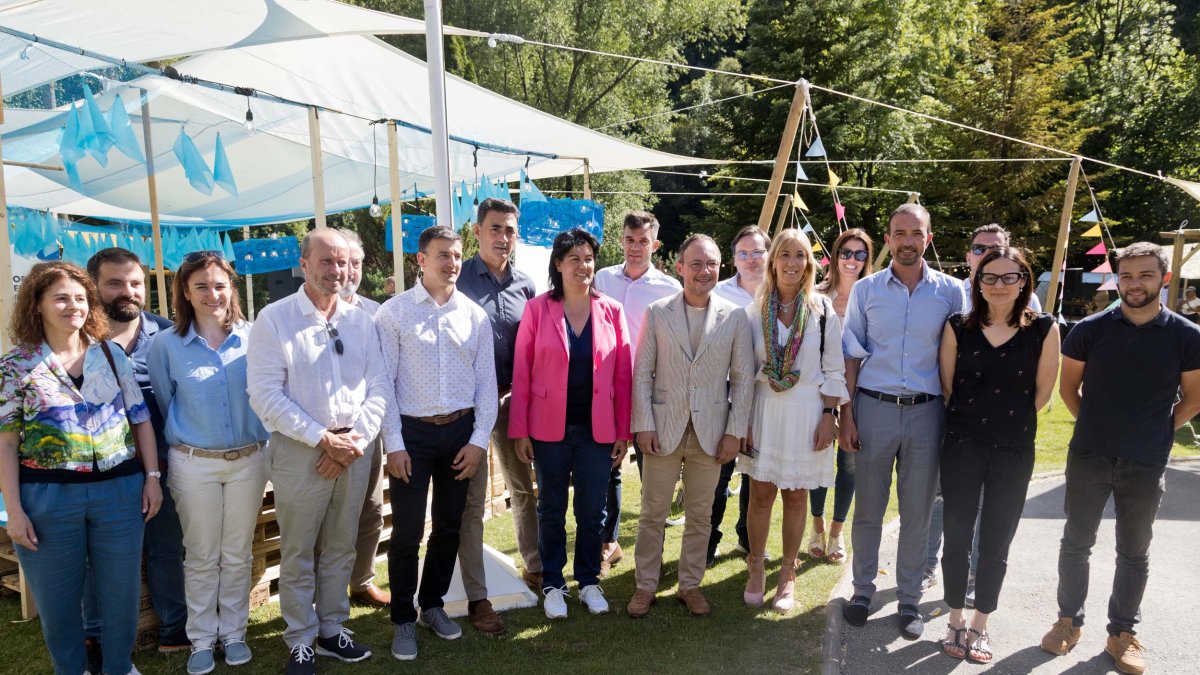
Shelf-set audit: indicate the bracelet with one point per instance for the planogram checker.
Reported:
(830, 411)
(154, 474)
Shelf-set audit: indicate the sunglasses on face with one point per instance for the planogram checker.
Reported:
(846, 254)
(989, 279)
(980, 249)
(197, 256)
(745, 256)
(333, 335)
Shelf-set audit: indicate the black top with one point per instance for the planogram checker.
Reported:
(504, 301)
(579, 375)
(1130, 382)
(992, 402)
(77, 381)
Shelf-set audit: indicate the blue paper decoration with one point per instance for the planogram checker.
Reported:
(542, 221)
(259, 256)
(817, 149)
(413, 226)
(194, 166)
(227, 248)
(70, 146)
(121, 129)
(222, 173)
(800, 175)
(101, 140)
(529, 191)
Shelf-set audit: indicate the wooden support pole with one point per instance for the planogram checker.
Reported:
(249, 281)
(587, 179)
(318, 172)
(799, 103)
(9, 296)
(32, 165)
(783, 214)
(1173, 292)
(160, 272)
(397, 216)
(1050, 302)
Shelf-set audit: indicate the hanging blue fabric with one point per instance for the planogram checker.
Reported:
(227, 248)
(529, 191)
(87, 133)
(222, 173)
(26, 235)
(69, 146)
(542, 221)
(413, 226)
(259, 256)
(194, 166)
(52, 232)
(121, 129)
(101, 140)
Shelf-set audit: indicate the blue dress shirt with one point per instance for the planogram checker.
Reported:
(897, 334)
(202, 391)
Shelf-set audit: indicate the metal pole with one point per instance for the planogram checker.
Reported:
(397, 219)
(160, 273)
(799, 102)
(1050, 302)
(7, 300)
(587, 179)
(318, 172)
(437, 109)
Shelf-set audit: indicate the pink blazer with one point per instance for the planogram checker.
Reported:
(539, 389)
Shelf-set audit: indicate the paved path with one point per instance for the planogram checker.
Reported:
(1170, 620)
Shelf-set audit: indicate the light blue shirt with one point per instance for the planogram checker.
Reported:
(202, 392)
(897, 335)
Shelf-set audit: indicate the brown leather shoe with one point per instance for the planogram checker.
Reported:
(532, 579)
(694, 600)
(372, 596)
(484, 618)
(639, 604)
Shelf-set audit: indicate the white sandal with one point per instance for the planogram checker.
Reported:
(837, 553)
(816, 545)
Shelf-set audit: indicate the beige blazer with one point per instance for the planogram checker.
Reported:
(714, 387)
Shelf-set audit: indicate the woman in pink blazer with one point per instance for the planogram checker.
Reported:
(570, 413)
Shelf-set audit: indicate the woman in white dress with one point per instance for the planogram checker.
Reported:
(800, 382)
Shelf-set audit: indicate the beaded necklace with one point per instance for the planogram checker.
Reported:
(781, 358)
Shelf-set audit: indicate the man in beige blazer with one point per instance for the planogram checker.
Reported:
(692, 388)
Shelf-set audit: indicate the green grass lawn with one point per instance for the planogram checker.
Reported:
(735, 638)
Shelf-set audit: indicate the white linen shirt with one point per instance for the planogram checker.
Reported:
(732, 291)
(635, 295)
(438, 360)
(300, 386)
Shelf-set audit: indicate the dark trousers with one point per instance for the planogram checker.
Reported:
(576, 461)
(1001, 475)
(432, 450)
(1137, 491)
(612, 519)
(720, 499)
(843, 490)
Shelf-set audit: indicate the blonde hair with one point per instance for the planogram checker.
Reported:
(807, 278)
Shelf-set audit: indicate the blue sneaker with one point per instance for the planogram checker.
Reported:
(201, 661)
(237, 652)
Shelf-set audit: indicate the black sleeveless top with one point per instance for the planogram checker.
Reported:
(992, 402)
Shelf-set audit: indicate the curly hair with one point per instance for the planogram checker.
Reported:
(28, 327)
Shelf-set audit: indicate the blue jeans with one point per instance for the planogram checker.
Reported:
(75, 523)
(163, 547)
(580, 461)
(612, 516)
(843, 490)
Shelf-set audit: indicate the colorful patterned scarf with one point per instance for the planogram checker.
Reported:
(779, 361)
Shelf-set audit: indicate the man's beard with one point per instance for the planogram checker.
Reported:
(348, 291)
(1151, 297)
(123, 309)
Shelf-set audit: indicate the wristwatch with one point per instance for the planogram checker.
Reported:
(831, 411)
(154, 474)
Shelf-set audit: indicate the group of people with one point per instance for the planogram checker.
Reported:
(908, 371)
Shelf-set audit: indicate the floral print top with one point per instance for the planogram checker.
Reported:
(64, 428)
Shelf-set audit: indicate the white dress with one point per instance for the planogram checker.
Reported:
(783, 423)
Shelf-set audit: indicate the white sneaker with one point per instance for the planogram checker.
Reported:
(593, 598)
(555, 603)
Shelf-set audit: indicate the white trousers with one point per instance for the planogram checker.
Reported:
(218, 503)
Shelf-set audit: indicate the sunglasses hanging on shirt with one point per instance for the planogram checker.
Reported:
(333, 335)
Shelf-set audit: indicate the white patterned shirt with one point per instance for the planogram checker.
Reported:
(300, 386)
(439, 360)
(635, 295)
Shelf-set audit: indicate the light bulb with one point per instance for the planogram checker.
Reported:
(25, 52)
(376, 210)
(249, 125)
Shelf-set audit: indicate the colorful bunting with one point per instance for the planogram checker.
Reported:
(1092, 216)
(840, 210)
(809, 229)
(69, 145)
(816, 246)
(1110, 285)
(1098, 249)
(222, 173)
(824, 261)
(529, 191)
(1106, 268)
(817, 149)
(800, 175)
(101, 140)
(797, 202)
(1094, 232)
(834, 181)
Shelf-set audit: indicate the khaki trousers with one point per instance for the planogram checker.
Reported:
(660, 474)
(370, 524)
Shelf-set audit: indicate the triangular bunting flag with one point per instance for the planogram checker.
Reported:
(69, 146)
(824, 261)
(817, 247)
(808, 228)
(1106, 268)
(102, 140)
(87, 133)
(529, 191)
(800, 175)
(1110, 285)
(834, 181)
(797, 202)
(222, 173)
(1094, 232)
(194, 166)
(1091, 217)
(122, 131)
(227, 248)
(840, 211)
(1098, 249)
(1062, 319)
(817, 149)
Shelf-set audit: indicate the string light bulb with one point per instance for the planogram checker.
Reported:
(24, 55)
(249, 125)
(376, 210)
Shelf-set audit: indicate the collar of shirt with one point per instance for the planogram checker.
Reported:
(926, 274)
(420, 294)
(234, 337)
(307, 308)
(1159, 319)
(476, 266)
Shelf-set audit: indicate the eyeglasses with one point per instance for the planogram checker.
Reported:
(846, 254)
(989, 279)
(745, 256)
(980, 249)
(700, 265)
(333, 335)
(197, 256)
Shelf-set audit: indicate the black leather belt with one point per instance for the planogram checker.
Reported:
(343, 430)
(443, 420)
(915, 399)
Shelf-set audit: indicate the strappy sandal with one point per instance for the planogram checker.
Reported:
(979, 650)
(837, 550)
(957, 643)
(816, 545)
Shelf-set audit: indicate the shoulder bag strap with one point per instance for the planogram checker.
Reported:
(137, 443)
